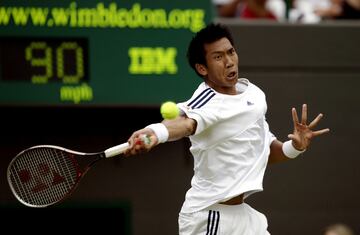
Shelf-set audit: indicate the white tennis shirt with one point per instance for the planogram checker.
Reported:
(230, 146)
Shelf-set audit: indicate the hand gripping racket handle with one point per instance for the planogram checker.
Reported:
(119, 149)
(116, 150)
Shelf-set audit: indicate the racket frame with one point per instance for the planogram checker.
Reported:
(80, 173)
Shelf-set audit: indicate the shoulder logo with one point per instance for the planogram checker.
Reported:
(249, 103)
(202, 98)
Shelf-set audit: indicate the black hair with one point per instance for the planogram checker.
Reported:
(209, 34)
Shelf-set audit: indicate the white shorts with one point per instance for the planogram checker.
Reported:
(222, 219)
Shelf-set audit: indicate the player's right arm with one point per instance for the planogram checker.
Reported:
(180, 127)
(177, 128)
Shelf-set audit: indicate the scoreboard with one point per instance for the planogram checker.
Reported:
(120, 52)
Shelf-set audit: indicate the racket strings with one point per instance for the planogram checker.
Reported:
(43, 176)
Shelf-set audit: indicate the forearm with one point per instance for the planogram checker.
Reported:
(280, 152)
(276, 153)
(180, 127)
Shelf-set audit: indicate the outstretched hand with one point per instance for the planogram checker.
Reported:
(304, 133)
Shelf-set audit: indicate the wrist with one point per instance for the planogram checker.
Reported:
(160, 131)
(290, 151)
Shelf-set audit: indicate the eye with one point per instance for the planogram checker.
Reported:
(232, 51)
(218, 57)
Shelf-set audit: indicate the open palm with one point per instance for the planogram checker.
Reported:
(303, 133)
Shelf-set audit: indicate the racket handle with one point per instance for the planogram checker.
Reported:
(119, 149)
(116, 150)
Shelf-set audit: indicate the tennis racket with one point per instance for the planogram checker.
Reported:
(44, 175)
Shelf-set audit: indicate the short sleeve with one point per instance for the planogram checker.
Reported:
(205, 116)
(272, 137)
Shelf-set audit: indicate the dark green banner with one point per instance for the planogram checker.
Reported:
(97, 53)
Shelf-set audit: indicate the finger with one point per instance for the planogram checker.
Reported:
(294, 116)
(153, 140)
(138, 147)
(320, 132)
(304, 114)
(131, 141)
(291, 136)
(129, 152)
(315, 121)
(139, 140)
(132, 151)
(135, 138)
(296, 142)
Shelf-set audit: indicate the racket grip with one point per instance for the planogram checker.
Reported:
(116, 150)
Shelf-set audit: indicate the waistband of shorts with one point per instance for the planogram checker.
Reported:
(223, 207)
(239, 199)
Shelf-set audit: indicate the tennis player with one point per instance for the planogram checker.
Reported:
(230, 140)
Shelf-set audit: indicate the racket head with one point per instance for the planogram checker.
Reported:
(44, 175)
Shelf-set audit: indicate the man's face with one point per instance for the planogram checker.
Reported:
(221, 69)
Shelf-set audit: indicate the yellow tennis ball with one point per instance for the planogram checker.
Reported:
(169, 110)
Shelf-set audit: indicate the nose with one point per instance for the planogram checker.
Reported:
(229, 62)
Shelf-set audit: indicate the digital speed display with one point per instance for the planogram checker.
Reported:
(43, 60)
(123, 53)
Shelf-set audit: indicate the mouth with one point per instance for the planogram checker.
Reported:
(231, 75)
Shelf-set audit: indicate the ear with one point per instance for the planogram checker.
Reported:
(201, 69)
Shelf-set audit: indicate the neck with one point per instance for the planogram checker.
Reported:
(225, 90)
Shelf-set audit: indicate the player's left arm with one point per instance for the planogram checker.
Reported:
(300, 139)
